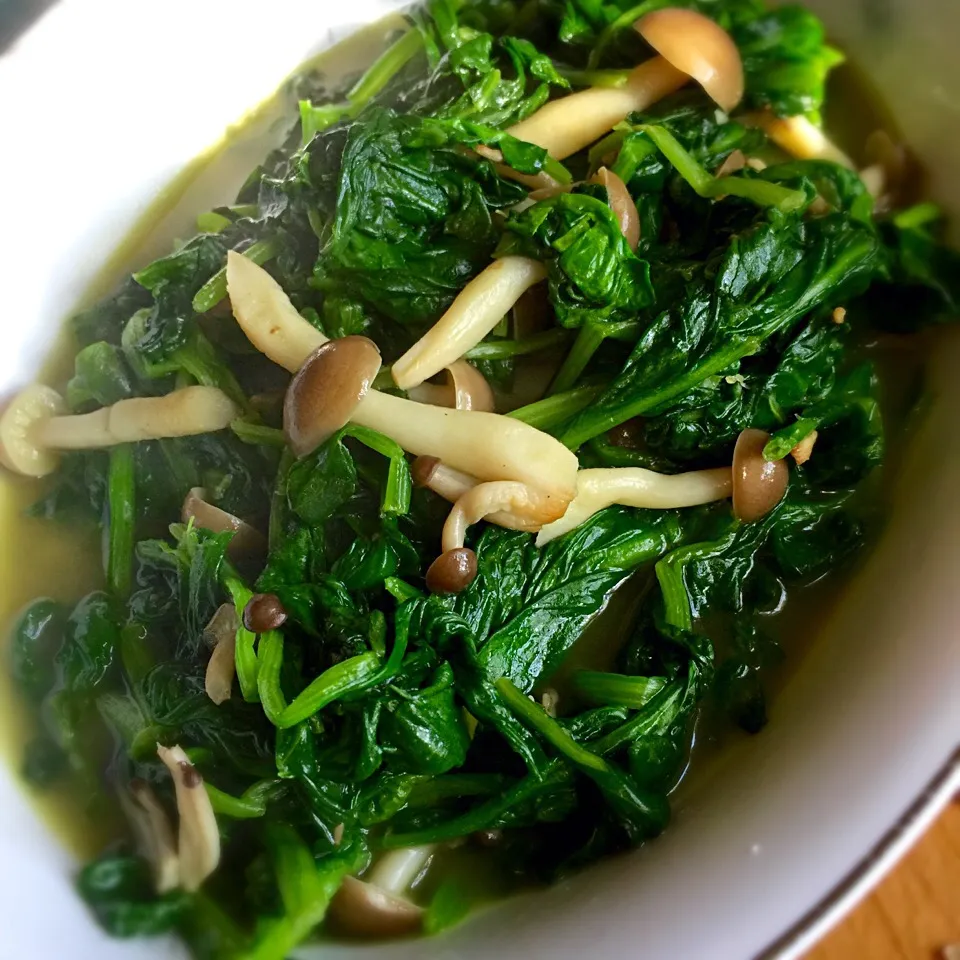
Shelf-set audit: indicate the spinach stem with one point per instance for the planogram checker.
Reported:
(552, 411)
(121, 494)
(588, 342)
(503, 349)
(215, 289)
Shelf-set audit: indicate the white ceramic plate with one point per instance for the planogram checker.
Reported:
(102, 103)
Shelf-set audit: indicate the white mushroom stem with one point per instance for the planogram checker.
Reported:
(199, 839)
(478, 308)
(486, 445)
(565, 126)
(221, 634)
(636, 487)
(155, 834)
(268, 318)
(466, 389)
(497, 497)
(396, 871)
(453, 484)
(182, 413)
(799, 137)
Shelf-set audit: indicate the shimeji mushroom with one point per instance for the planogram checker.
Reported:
(452, 484)
(326, 391)
(485, 445)
(466, 389)
(478, 308)
(690, 46)
(636, 487)
(247, 543)
(33, 426)
(758, 484)
(198, 843)
(455, 569)
(154, 832)
(799, 137)
(221, 634)
(377, 906)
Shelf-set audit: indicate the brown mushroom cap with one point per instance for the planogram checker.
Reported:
(263, 612)
(422, 470)
(621, 203)
(699, 47)
(758, 484)
(452, 571)
(327, 389)
(247, 542)
(365, 910)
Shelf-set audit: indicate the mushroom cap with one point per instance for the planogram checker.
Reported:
(365, 910)
(247, 542)
(758, 484)
(327, 389)
(699, 47)
(20, 451)
(452, 571)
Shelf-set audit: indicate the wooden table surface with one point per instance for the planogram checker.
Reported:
(915, 912)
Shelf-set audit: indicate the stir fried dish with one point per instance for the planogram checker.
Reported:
(460, 474)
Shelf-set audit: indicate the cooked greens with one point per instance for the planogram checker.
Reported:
(370, 714)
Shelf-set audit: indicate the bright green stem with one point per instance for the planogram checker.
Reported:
(332, 684)
(386, 66)
(761, 192)
(314, 120)
(251, 804)
(399, 487)
(257, 434)
(247, 663)
(503, 349)
(553, 411)
(595, 78)
(536, 717)
(215, 289)
(588, 342)
(268, 677)
(121, 487)
(617, 689)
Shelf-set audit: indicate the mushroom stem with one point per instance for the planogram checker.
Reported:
(155, 832)
(221, 634)
(466, 389)
(395, 871)
(199, 839)
(799, 137)
(485, 445)
(564, 127)
(622, 205)
(453, 484)
(478, 308)
(636, 487)
(182, 413)
(488, 498)
(266, 315)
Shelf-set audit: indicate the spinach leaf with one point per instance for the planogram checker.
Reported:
(118, 889)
